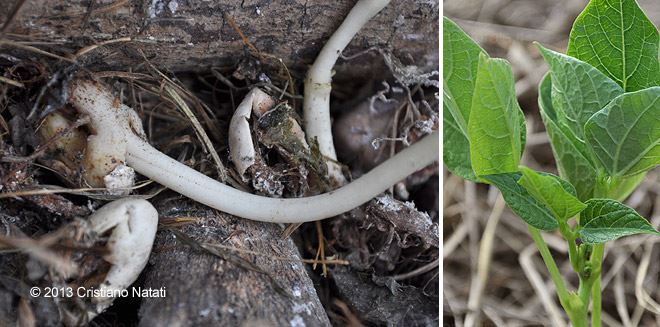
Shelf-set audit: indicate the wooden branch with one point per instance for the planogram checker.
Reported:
(193, 35)
(214, 286)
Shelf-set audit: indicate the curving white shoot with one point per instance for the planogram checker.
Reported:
(152, 163)
(318, 84)
(195, 185)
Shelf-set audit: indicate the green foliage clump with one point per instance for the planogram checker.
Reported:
(600, 104)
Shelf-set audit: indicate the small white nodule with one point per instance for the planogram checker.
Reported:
(120, 180)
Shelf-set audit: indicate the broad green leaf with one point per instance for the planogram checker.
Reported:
(572, 163)
(605, 220)
(460, 63)
(549, 190)
(578, 91)
(625, 135)
(456, 150)
(617, 38)
(496, 128)
(522, 202)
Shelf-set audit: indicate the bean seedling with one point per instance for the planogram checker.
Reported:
(600, 104)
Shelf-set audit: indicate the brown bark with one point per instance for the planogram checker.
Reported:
(206, 289)
(186, 35)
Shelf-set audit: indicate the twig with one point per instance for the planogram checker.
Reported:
(109, 7)
(49, 189)
(11, 82)
(494, 316)
(12, 15)
(542, 291)
(125, 75)
(25, 313)
(245, 40)
(643, 297)
(181, 104)
(471, 216)
(537, 139)
(35, 50)
(455, 239)
(453, 305)
(321, 250)
(421, 270)
(483, 266)
(506, 31)
(42, 147)
(609, 320)
(620, 299)
(100, 44)
(450, 187)
(350, 317)
(637, 315)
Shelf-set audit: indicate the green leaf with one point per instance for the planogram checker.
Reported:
(496, 128)
(572, 162)
(625, 135)
(521, 202)
(617, 38)
(456, 151)
(556, 194)
(578, 91)
(460, 63)
(605, 220)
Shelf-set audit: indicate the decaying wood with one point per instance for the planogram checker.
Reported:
(224, 289)
(386, 211)
(394, 306)
(193, 35)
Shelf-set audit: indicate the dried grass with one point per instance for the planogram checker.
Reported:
(519, 291)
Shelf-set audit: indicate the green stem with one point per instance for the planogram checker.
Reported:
(570, 237)
(597, 262)
(596, 308)
(555, 275)
(572, 304)
(584, 291)
(604, 188)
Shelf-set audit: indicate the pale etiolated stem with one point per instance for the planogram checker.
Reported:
(133, 223)
(318, 84)
(241, 147)
(92, 99)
